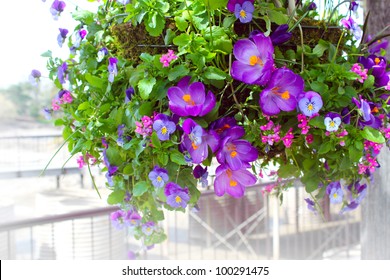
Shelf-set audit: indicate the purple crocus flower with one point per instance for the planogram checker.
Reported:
(310, 104)
(312, 6)
(148, 228)
(231, 5)
(280, 35)
(164, 126)
(353, 6)
(332, 121)
(377, 46)
(221, 126)
(335, 192)
(34, 77)
(282, 92)
(158, 176)
(61, 72)
(254, 62)
(57, 8)
(112, 61)
(234, 152)
(232, 182)
(187, 99)
(176, 196)
(62, 36)
(101, 54)
(377, 65)
(197, 141)
(351, 25)
(244, 12)
(129, 94)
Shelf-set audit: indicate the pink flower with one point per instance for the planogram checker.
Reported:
(356, 68)
(67, 98)
(288, 138)
(309, 139)
(303, 123)
(145, 127)
(167, 58)
(55, 104)
(81, 162)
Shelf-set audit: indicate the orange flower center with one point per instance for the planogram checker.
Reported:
(377, 60)
(253, 60)
(232, 182)
(188, 100)
(194, 146)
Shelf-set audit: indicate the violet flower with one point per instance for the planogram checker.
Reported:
(312, 6)
(231, 5)
(158, 176)
(377, 46)
(377, 66)
(117, 219)
(123, 2)
(234, 152)
(57, 7)
(61, 72)
(311, 205)
(197, 141)
(335, 192)
(280, 35)
(164, 126)
(282, 92)
(79, 36)
(310, 104)
(101, 54)
(120, 130)
(232, 182)
(244, 11)
(201, 173)
(148, 228)
(187, 99)
(332, 121)
(353, 6)
(129, 94)
(223, 125)
(112, 61)
(132, 218)
(351, 25)
(254, 62)
(34, 77)
(62, 36)
(176, 196)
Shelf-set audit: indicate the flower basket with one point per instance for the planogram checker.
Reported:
(164, 95)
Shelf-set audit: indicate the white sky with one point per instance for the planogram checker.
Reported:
(27, 30)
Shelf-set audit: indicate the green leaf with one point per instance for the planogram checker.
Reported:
(320, 48)
(325, 147)
(140, 188)
(288, 171)
(94, 81)
(369, 82)
(181, 23)
(146, 109)
(113, 156)
(83, 106)
(182, 40)
(47, 54)
(215, 4)
(145, 87)
(355, 154)
(372, 135)
(155, 141)
(116, 197)
(213, 73)
(178, 158)
(308, 163)
(163, 158)
(155, 24)
(317, 122)
(178, 71)
(84, 16)
(277, 17)
(128, 170)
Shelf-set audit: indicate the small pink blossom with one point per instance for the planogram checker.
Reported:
(303, 123)
(309, 138)
(67, 98)
(167, 58)
(288, 138)
(145, 127)
(268, 189)
(55, 104)
(356, 68)
(81, 162)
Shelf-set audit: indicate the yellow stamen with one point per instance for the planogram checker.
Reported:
(178, 199)
(233, 154)
(310, 107)
(159, 179)
(194, 146)
(335, 195)
(233, 183)
(285, 95)
(188, 100)
(255, 60)
(164, 130)
(375, 110)
(242, 14)
(377, 60)
(332, 124)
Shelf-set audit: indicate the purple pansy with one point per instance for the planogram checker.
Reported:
(102, 53)
(280, 35)
(148, 228)
(231, 5)
(351, 25)
(254, 62)
(176, 196)
(235, 152)
(112, 61)
(62, 36)
(120, 140)
(61, 72)
(34, 77)
(335, 192)
(244, 11)
(187, 99)
(201, 173)
(312, 6)
(57, 7)
(111, 169)
(364, 108)
(129, 94)
(311, 205)
(164, 126)
(332, 121)
(79, 36)
(353, 6)
(118, 219)
(281, 92)
(158, 176)
(310, 104)
(232, 182)
(197, 141)
(132, 218)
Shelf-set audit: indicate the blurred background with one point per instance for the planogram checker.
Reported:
(59, 215)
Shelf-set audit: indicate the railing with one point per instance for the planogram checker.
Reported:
(254, 227)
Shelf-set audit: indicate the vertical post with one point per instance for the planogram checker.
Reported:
(275, 230)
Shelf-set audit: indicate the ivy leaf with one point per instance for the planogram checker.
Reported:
(140, 188)
(145, 87)
(372, 135)
(116, 197)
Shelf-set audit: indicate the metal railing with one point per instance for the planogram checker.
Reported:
(254, 227)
